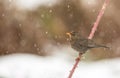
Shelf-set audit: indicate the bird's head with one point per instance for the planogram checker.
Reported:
(72, 35)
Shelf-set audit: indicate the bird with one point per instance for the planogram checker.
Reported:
(82, 44)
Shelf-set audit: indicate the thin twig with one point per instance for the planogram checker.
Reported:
(98, 19)
(91, 35)
(75, 65)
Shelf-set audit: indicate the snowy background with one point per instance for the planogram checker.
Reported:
(33, 43)
(31, 66)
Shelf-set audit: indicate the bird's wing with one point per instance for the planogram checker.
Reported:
(79, 47)
(88, 43)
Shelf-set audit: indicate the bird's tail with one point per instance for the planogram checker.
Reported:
(101, 46)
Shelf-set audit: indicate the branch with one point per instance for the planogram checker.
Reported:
(91, 35)
(75, 65)
(98, 19)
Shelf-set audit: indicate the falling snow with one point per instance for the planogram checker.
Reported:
(35, 45)
(50, 11)
(42, 15)
(3, 14)
(68, 6)
(20, 25)
(46, 32)
(10, 0)
(38, 49)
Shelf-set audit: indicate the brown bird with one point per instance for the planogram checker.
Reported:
(81, 44)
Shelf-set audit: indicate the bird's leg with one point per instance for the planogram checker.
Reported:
(79, 57)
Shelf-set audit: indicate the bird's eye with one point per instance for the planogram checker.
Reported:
(73, 34)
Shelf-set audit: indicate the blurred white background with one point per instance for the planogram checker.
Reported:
(30, 28)
(32, 66)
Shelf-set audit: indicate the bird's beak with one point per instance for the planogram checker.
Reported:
(68, 34)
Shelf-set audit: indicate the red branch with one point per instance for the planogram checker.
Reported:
(98, 19)
(91, 35)
(75, 65)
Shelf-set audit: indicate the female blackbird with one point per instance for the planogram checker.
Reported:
(81, 44)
